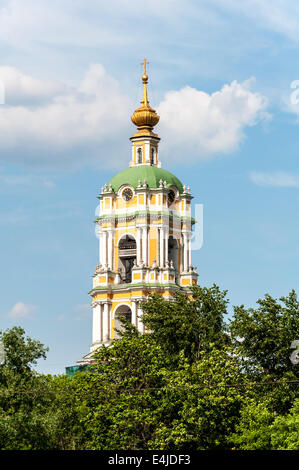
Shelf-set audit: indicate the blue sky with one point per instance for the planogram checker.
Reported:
(220, 78)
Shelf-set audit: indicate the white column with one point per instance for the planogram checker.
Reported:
(134, 313)
(181, 254)
(101, 332)
(104, 248)
(138, 248)
(101, 239)
(189, 251)
(100, 247)
(148, 246)
(140, 326)
(147, 153)
(144, 245)
(161, 247)
(185, 252)
(110, 250)
(158, 247)
(166, 246)
(96, 324)
(106, 322)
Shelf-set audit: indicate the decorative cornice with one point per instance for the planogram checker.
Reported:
(155, 215)
(130, 287)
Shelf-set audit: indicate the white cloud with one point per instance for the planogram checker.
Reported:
(67, 120)
(279, 179)
(93, 112)
(22, 89)
(198, 125)
(57, 125)
(21, 311)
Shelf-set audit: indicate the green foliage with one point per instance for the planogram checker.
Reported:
(22, 423)
(263, 336)
(21, 352)
(62, 417)
(206, 402)
(188, 324)
(133, 400)
(253, 428)
(119, 398)
(33, 416)
(285, 430)
(261, 429)
(186, 385)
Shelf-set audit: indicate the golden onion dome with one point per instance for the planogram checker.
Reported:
(145, 117)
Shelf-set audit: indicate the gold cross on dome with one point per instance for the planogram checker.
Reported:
(144, 63)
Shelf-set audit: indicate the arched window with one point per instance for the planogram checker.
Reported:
(173, 254)
(126, 258)
(125, 312)
(152, 156)
(139, 155)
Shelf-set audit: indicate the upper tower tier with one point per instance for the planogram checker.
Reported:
(145, 117)
(145, 141)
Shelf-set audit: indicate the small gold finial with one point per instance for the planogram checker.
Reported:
(145, 118)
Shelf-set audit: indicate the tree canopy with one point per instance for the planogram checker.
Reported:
(189, 324)
(193, 382)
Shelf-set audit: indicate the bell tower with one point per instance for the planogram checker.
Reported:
(144, 228)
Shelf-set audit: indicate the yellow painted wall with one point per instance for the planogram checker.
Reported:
(121, 296)
(121, 204)
(152, 245)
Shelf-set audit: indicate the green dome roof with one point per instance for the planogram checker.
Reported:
(151, 174)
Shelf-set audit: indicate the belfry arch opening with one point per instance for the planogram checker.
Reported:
(126, 258)
(123, 311)
(173, 249)
(152, 156)
(139, 155)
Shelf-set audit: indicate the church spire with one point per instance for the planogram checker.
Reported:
(144, 81)
(145, 117)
